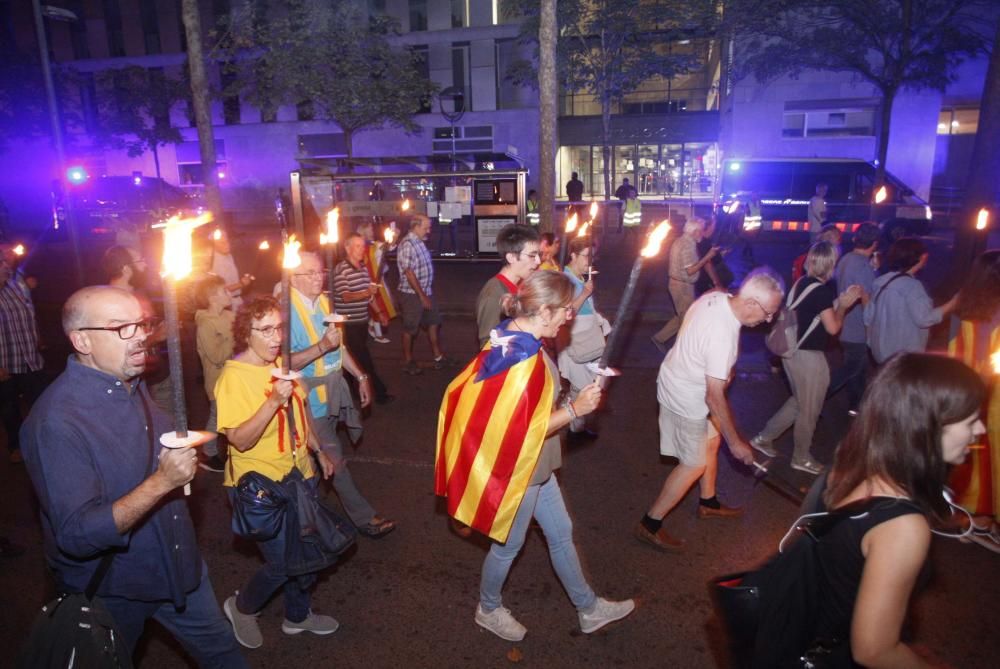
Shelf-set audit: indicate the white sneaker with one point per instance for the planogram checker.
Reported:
(314, 622)
(500, 622)
(604, 612)
(765, 446)
(245, 627)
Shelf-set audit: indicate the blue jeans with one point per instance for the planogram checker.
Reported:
(200, 627)
(851, 374)
(263, 584)
(545, 503)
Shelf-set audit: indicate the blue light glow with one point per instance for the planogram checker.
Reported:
(734, 167)
(76, 175)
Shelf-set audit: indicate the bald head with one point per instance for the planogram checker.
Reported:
(87, 306)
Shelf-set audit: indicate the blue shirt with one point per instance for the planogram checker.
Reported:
(85, 446)
(301, 340)
(587, 308)
(854, 269)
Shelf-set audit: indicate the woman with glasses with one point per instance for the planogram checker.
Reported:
(498, 449)
(819, 314)
(265, 422)
(584, 342)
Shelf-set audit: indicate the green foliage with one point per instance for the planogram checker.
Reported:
(892, 44)
(134, 108)
(331, 55)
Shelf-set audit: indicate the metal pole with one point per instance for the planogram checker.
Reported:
(57, 136)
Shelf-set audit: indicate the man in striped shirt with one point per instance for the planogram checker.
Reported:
(20, 361)
(353, 292)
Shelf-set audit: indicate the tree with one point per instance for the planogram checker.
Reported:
(548, 89)
(200, 96)
(609, 48)
(331, 56)
(135, 110)
(891, 44)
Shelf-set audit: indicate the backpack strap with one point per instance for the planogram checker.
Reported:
(798, 300)
(886, 284)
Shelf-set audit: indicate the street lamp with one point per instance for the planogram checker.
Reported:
(56, 14)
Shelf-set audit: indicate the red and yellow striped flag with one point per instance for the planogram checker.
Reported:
(383, 298)
(490, 434)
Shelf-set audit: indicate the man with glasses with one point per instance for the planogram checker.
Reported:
(685, 267)
(317, 352)
(518, 246)
(21, 363)
(125, 268)
(106, 487)
(691, 391)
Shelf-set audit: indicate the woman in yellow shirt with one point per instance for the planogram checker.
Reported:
(253, 414)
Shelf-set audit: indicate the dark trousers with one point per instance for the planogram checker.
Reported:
(851, 374)
(356, 334)
(29, 385)
(200, 627)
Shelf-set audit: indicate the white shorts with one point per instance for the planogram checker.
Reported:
(685, 438)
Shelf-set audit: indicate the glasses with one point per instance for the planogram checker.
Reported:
(268, 331)
(768, 315)
(570, 312)
(128, 330)
(533, 256)
(313, 274)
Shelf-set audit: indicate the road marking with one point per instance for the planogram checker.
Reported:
(392, 461)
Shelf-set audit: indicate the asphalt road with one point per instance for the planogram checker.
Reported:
(409, 599)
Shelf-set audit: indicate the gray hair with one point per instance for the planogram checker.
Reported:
(761, 281)
(695, 224)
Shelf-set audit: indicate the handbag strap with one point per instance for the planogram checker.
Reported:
(794, 305)
(105, 564)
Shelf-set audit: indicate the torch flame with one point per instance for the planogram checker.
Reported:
(217, 235)
(982, 218)
(177, 244)
(291, 258)
(406, 205)
(995, 361)
(593, 210)
(18, 250)
(880, 195)
(332, 232)
(583, 229)
(389, 235)
(571, 224)
(264, 245)
(655, 240)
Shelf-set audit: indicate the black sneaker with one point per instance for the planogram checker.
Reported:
(213, 464)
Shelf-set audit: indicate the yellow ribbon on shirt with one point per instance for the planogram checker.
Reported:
(318, 366)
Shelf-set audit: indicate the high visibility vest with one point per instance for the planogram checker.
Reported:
(534, 218)
(633, 213)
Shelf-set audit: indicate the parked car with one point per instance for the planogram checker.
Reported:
(125, 206)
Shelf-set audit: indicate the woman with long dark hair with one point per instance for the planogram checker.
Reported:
(919, 416)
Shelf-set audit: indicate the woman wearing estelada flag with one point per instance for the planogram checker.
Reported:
(498, 448)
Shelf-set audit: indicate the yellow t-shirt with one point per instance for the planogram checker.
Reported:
(239, 393)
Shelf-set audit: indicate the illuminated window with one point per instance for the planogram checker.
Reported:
(958, 121)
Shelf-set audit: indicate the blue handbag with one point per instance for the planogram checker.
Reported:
(259, 507)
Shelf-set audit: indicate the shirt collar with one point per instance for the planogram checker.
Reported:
(90, 379)
(313, 305)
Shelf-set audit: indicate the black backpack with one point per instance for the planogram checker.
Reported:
(771, 613)
(76, 630)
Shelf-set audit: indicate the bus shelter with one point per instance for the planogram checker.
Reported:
(468, 197)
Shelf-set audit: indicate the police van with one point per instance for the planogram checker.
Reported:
(761, 195)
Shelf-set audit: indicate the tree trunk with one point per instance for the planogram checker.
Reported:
(548, 92)
(984, 173)
(202, 110)
(885, 119)
(606, 153)
(156, 158)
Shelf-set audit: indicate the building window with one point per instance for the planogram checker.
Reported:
(113, 26)
(322, 145)
(418, 15)
(459, 15)
(376, 7)
(958, 121)
(305, 111)
(230, 100)
(460, 72)
(190, 173)
(467, 139)
(422, 65)
(828, 123)
(150, 27)
(682, 170)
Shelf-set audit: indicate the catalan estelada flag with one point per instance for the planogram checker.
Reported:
(383, 298)
(491, 428)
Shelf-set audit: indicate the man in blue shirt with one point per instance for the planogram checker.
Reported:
(855, 269)
(105, 486)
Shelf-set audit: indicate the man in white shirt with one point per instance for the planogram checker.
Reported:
(691, 390)
(817, 212)
(224, 265)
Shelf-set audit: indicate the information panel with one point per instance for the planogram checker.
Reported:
(487, 228)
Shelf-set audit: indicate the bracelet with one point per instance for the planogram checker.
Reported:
(570, 409)
(363, 377)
